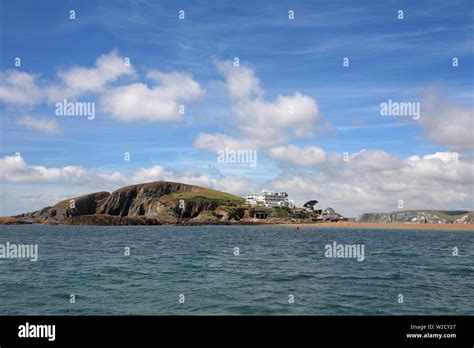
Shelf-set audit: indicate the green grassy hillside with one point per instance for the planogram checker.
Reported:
(212, 195)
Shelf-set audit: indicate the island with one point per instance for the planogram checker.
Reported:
(158, 203)
(164, 203)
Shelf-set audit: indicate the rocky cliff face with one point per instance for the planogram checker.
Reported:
(143, 204)
(76, 206)
(194, 207)
(144, 200)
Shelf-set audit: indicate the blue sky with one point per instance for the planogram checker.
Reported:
(408, 60)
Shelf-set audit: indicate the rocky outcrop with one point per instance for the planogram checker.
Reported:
(153, 203)
(110, 220)
(193, 207)
(143, 199)
(205, 217)
(82, 205)
(465, 219)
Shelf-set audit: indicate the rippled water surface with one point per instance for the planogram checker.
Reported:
(199, 262)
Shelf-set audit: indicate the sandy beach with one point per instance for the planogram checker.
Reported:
(400, 226)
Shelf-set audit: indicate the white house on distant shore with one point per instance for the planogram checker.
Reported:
(269, 199)
(329, 214)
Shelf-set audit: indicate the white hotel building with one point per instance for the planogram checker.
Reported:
(269, 199)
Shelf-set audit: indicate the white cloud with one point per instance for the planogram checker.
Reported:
(447, 124)
(374, 160)
(44, 125)
(176, 85)
(137, 101)
(233, 184)
(443, 167)
(259, 122)
(127, 103)
(443, 156)
(230, 183)
(375, 181)
(15, 169)
(309, 156)
(79, 80)
(296, 114)
(154, 173)
(240, 82)
(19, 88)
(216, 142)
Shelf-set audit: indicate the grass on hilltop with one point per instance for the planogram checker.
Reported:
(207, 194)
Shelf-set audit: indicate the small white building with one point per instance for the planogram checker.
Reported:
(268, 199)
(329, 214)
(329, 211)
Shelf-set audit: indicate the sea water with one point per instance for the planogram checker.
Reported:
(235, 270)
